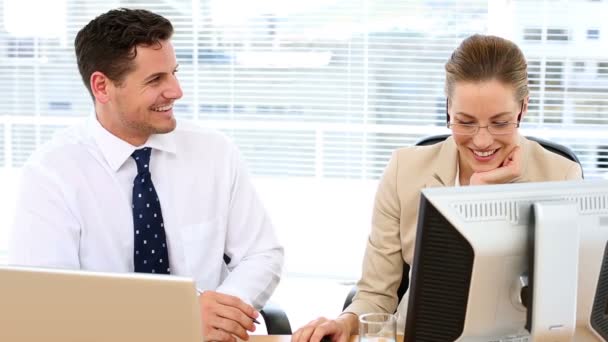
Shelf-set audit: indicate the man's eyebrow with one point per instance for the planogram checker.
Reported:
(156, 74)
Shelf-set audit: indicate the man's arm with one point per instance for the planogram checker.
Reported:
(256, 258)
(44, 232)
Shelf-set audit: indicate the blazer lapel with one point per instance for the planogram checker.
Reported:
(524, 144)
(444, 169)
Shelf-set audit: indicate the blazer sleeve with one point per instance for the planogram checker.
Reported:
(574, 172)
(382, 263)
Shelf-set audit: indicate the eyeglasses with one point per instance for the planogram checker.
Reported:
(495, 128)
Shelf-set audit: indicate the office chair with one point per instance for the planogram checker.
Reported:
(433, 139)
(405, 283)
(276, 320)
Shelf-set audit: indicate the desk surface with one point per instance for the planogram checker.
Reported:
(287, 338)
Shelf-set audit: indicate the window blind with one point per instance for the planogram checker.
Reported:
(316, 94)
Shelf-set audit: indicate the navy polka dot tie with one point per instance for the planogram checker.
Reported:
(150, 255)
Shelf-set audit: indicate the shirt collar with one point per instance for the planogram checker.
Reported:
(116, 151)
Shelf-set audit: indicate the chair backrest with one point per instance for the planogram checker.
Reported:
(405, 282)
(562, 150)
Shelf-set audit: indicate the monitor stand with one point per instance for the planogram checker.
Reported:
(554, 275)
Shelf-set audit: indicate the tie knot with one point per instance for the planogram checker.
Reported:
(142, 159)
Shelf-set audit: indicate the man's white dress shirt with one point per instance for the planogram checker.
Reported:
(74, 209)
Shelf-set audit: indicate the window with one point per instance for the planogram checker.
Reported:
(552, 34)
(34, 18)
(20, 48)
(554, 72)
(593, 34)
(602, 158)
(316, 94)
(602, 69)
(590, 108)
(578, 66)
(555, 34)
(533, 34)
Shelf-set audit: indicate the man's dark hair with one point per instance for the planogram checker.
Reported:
(108, 43)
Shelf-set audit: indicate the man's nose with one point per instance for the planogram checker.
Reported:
(174, 90)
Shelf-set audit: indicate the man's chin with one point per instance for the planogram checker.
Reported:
(165, 127)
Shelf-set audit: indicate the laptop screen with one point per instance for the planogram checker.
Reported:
(65, 305)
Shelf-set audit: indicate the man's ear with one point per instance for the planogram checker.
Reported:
(100, 86)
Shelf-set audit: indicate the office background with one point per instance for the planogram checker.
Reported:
(316, 93)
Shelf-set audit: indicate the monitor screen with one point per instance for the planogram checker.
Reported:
(492, 263)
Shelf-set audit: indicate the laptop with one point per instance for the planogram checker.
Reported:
(50, 305)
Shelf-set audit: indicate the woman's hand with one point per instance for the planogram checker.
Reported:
(338, 330)
(509, 170)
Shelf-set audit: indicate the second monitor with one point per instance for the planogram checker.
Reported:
(478, 249)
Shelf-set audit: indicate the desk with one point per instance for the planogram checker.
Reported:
(287, 338)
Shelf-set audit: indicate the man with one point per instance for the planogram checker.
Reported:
(131, 191)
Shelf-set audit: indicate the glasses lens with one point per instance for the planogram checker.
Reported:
(502, 128)
(463, 129)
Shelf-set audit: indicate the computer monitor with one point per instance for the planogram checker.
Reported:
(52, 305)
(479, 249)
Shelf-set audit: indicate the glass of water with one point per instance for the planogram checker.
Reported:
(377, 327)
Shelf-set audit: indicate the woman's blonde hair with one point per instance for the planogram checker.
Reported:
(483, 58)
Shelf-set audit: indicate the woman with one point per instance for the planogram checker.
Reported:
(487, 96)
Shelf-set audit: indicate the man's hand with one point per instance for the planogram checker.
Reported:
(338, 330)
(509, 170)
(225, 317)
